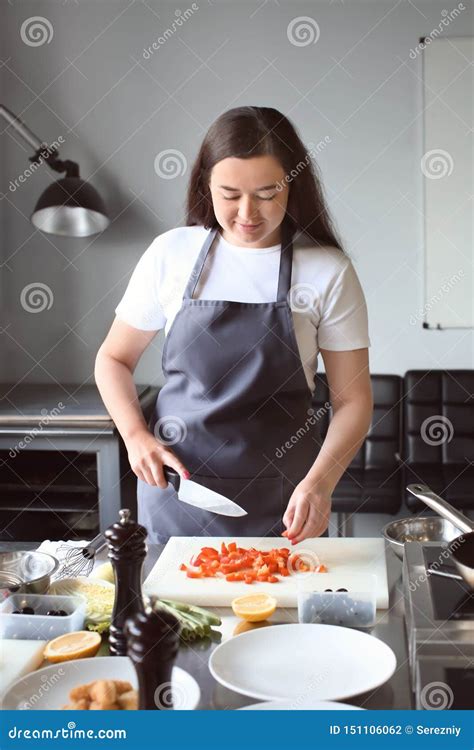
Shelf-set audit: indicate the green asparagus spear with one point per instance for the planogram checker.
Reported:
(193, 609)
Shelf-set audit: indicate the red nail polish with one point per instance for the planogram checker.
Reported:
(187, 474)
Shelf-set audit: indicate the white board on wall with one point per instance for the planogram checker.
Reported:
(447, 166)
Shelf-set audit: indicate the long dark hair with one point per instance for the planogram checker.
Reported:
(245, 132)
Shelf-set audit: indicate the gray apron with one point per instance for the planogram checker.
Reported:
(235, 408)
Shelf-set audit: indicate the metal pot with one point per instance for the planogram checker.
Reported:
(418, 529)
(462, 548)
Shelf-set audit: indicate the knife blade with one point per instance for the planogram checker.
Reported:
(201, 497)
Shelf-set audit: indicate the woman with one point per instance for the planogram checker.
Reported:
(245, 315)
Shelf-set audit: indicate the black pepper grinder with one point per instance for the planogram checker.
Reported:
(127, 551)
(153, 641)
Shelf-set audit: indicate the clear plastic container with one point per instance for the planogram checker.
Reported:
(346, 600)
(40, 626)
(10, 583)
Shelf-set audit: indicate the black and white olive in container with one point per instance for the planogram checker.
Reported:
(349, 601)
(40, 617)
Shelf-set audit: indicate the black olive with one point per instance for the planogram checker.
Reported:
(330, 590)
(61, 613)
(27, 611)
(342, 590)
(16, 612)
(51, 613)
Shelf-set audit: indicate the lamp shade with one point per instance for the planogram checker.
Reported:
(72, 208)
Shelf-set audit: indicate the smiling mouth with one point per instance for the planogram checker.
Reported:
(249, 226)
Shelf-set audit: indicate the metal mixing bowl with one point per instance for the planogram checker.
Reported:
(9, 584)
(415, 529)
(33, 569)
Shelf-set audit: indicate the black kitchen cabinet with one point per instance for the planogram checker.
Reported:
(64, 472)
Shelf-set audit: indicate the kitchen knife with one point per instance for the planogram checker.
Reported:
(201, 497)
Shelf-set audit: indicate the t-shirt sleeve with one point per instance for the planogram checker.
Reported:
(344, 321)
(140, 306)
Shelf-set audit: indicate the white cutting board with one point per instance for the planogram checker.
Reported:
(343, 558)
(17, 658)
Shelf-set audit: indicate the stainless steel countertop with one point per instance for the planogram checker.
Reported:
(26, 406)
(390, 628)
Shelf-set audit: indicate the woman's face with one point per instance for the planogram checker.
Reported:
(249, 198)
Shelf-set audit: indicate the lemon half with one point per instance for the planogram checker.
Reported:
(76, 645)
(254, 607)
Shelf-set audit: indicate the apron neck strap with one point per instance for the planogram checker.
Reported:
(199, 265)
(286, 262)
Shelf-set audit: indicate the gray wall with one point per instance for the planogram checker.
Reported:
(116, 110)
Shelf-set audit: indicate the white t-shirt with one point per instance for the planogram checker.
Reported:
(326, 298)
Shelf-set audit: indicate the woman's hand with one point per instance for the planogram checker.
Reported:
(147, 455)
(308, 511)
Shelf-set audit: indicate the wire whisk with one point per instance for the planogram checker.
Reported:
(78, 561)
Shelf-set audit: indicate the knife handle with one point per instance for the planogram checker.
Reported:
(172, 477)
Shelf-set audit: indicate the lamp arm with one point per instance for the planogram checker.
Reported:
(21, 128)
(43, 152)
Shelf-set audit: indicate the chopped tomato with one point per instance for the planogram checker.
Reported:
(250, 574)
(240, 564)
(210, 552)
(194, 573)
(230, 568)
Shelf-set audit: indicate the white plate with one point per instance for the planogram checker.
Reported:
(290, 662)
(306, 704)
(49, 688)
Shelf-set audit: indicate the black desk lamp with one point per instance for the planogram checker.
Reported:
(70, 206)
